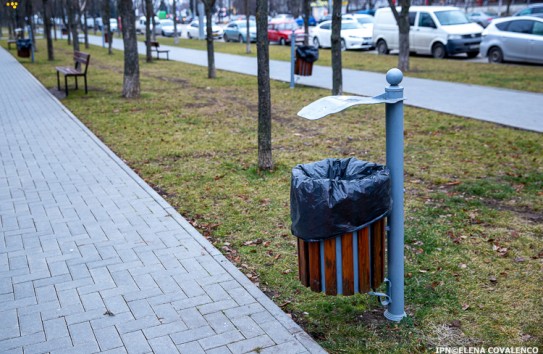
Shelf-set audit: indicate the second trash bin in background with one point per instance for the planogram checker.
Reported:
(305, 57)
(24, 48)
(337, 209)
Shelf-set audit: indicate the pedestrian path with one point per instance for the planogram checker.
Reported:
(93, 260)
(512, 108)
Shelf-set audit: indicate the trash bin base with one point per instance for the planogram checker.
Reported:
(344, 265)
(23, 53)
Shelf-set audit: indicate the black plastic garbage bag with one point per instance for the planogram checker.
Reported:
(24, 44)
(334, 196)
(307, 53)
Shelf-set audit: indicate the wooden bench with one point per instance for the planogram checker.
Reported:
(81, 61)
(10, 42)
(156, 47)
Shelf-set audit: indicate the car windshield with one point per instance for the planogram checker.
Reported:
(451, 17)
(243, 24)
(349, 25)
(166, 23)
(363, 20)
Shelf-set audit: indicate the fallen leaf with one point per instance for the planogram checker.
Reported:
(456, 324)
(286, 271)
(109, 313)
(423, 271)
(465, 307)
(519, 259)
(492, 279)
(463, 266)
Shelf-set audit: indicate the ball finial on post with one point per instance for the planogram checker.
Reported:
(394, 77)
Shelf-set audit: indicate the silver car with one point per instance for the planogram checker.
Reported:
(517, 39)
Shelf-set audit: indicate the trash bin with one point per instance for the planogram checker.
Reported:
(305, 57)
(338, 209)
(24, 46)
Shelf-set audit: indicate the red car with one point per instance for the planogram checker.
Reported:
(281, 30)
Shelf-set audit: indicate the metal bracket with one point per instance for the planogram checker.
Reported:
(384, 299)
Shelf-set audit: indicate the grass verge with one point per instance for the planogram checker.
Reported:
(474, 199)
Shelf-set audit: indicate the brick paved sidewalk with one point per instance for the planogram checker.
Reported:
(93, 260)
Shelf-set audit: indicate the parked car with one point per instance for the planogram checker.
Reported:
(482, 18)
(310, 22)
(193, 30)
(237, 31)
(435, 30)
(140, 25)
(364, 20)
(167, 28)
(353, 35)
(534, 9)
(324, 18)
(283, 17)
(281, 30)
(518, 38)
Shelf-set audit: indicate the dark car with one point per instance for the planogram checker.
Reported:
(532, 10)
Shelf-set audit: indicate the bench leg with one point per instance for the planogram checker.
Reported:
(86, 91)
(167, 55)
(66, 84)
(76, 87)
(58, 80)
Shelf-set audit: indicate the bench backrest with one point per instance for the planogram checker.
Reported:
(80, 59)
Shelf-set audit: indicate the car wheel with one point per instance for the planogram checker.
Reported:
(226, 39)
(163, 34)
(240, 38)
(495, 55)
(189, 35)
(382, 47)
(472, 55)
(343, 45)
(316, 42)
(438, 51)
(282, 41)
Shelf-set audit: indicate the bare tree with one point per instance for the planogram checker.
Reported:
(175, 36)
(402, 18)
(337, 78)
(106, 25)
(148, 14)
(131, 79)
(306, 11)
(211, 71)
(247, 28)
(265, 160)
(47, 30)
(71, 8)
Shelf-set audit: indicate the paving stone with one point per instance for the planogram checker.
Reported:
(108, 338)
(192, 318)
(191, 348)
(81, 333)
(92, 301)
(135, 342)
(163, 345)
(30, 324)
(220, 339)
(55, 328)
(164, 329)
(252, 344)
(219, 322)
(219, 350)
(287, 347)
(46, 294)
(247, 326)
(192, 335)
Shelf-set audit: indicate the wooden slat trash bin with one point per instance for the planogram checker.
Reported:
(305, 57)
(344, 265)
(338, 211)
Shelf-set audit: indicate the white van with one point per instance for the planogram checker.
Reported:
(435, 30)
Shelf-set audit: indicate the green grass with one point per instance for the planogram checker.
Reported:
(474, 198)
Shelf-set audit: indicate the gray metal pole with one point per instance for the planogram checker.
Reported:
(394, 156)
(292, 57)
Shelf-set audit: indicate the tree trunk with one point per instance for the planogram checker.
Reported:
(106, 26)
(211, 72)
(402, 18)
(265, 161)
(86, 30)
(306, 15)
(153, 21)
(337, 78)
(131, 79)
(148, 15)
(175, 36)
(72, 23)
(47, 30)
(248, 33)
(66, 22)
